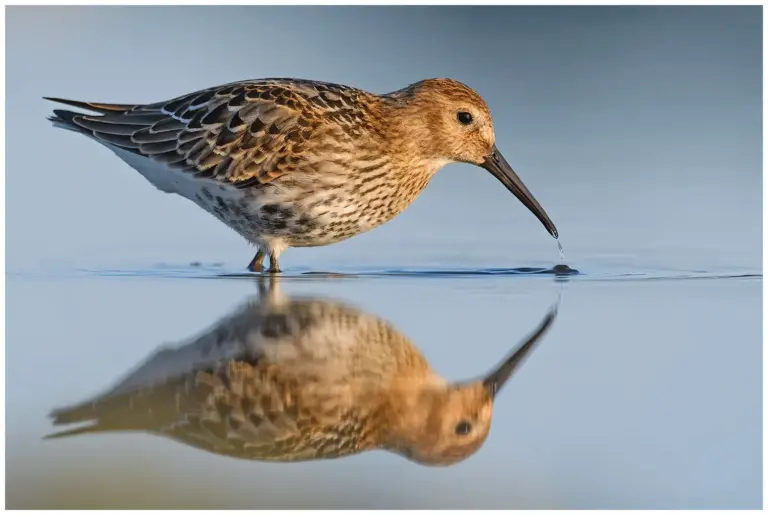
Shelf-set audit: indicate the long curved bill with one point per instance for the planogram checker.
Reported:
(496, 379)
(498, 166)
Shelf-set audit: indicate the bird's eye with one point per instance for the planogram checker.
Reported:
(463, 428)
(464, 117)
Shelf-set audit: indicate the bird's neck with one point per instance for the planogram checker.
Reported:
(403, 411)
(407, 138)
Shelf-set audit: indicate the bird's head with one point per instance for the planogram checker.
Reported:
(441, 424)
(441, 121)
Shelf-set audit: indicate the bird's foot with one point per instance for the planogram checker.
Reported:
(274, 266)
(257, 263)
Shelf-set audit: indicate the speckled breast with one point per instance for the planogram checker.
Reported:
(329, 217)
(301, 216)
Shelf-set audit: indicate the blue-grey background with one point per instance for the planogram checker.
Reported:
(637, 128)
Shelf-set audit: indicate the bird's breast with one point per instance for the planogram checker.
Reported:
(322, 203)
(345, 200)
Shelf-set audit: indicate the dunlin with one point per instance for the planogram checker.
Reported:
(298, 163)
(291, 379)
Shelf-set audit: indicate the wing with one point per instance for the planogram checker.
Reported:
(234, 409)
(242, 410)
(243, 133)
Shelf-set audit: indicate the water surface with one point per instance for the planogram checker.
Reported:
(644, 394)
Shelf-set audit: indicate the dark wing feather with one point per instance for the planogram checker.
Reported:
(240, 409)
(244, 133)
(236, 402)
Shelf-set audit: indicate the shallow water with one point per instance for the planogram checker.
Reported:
(646, 392)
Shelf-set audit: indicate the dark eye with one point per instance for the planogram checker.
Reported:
(463, 428)
(464, 117)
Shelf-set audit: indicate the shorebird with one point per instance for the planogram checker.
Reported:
(296, 379)
(299, 163)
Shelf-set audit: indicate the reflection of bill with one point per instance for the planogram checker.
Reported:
(291, 379)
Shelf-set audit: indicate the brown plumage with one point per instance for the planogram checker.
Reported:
(301, 379)
(297, 163)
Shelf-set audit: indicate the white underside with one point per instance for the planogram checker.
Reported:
(185, 184)
(169, 180)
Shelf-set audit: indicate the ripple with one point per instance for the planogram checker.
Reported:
(559, 272)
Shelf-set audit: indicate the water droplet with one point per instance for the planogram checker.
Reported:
(560, 248)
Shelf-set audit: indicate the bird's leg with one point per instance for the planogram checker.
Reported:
(269, 289)
(256, 264)
(274, 266)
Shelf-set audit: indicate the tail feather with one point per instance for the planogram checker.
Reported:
(64, 116)
(100, 415)
(93, 428)
(115, 134)
(83, 412)
(115, 125)
(66, 120)
(93, 106)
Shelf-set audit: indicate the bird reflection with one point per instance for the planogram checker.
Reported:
(293, 379)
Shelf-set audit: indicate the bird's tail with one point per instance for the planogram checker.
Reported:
(80, 413)
(101, 413)
(100, 416)
(93, 428)
(65, 119)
